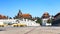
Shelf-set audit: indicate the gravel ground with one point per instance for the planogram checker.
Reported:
(29, 30)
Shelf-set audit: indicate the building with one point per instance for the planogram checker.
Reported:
(57, 16)
(21, 15)
(16, 21)
(3, 17)
(56, 21)
(45, 18)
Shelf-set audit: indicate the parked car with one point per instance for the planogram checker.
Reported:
(3, 25)
(19, 25)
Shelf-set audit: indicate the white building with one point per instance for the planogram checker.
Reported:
(45, 19)
(25, 21)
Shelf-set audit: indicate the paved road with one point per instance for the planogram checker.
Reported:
(29, 30)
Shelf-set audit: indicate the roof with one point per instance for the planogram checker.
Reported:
(25, 14)
(57, 14)
(46, 15)
(2, 16)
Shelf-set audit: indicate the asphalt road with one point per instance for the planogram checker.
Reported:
(30, 30)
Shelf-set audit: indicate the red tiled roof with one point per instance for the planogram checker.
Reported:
(2, 17)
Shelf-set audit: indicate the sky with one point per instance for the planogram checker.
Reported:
(34, 7)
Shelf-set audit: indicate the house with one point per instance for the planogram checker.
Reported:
(56, 21)
(3, 17)
(45, 19)
(21, 15)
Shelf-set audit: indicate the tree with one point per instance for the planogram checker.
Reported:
(39, 20)
(10, 18)
(49, 21)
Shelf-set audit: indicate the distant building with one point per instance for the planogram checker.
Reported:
(45, 17)
(20, 15)
(56, 21)
(3, 17)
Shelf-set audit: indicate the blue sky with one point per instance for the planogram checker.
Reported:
(34, 7)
